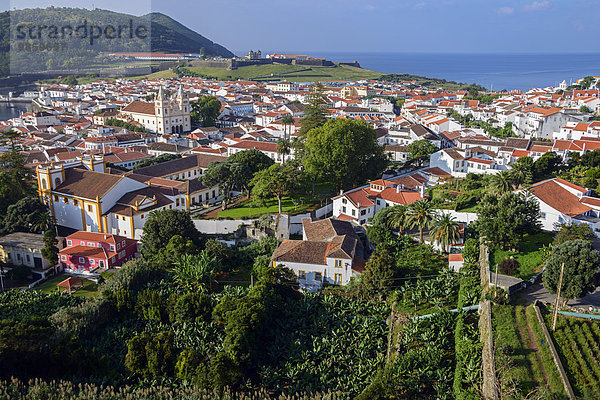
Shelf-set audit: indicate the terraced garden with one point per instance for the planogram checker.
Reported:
(578, 344)
(524, 363)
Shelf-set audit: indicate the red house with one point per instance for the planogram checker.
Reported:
(86, 251)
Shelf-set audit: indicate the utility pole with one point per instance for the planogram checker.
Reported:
(562, 270)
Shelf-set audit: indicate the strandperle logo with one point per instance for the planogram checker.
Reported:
(86, 30)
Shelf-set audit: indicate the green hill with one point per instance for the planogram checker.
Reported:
(198, 41)
(51, 26)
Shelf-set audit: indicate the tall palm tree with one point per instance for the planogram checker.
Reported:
(287, 120)
(520, 177)
(446, 230)
(396, 218)
(283, 147)
(502, 182)
(420, 214)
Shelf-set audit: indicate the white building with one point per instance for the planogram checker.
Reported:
(329, 251)
(163, 116)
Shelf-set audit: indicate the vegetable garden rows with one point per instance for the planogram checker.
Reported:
(577, 342)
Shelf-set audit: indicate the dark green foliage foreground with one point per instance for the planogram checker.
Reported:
(145, 328)
(16, 390)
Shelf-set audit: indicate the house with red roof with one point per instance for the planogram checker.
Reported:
(562, 202)
(361, 204)
(330, 251)
(87, 251)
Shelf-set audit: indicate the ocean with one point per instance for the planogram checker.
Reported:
(496, 71)
(11, 110)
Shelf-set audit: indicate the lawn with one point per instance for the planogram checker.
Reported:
(279, 71)
(89, 289)
(249, 209)
(529, 254)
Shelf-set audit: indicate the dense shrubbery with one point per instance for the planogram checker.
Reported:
(467, 373)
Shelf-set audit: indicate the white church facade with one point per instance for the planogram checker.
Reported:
(163, 116)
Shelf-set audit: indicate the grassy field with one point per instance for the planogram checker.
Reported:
(89, 289)
(523, 360)
(578, 344)
(276, 72)
(248, 209)
(529, 254)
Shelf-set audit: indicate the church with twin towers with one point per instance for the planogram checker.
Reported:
(166, 115)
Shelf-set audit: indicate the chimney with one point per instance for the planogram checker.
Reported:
(398, 189)
(422, 191)
(341, 192)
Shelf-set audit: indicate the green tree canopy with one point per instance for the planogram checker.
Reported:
(28, 214)
(581, 268)
(227, 175)
(546, 165)
(504, 220)
(345, 152)
(573, 231)
(421, 149)
(315, 114)
(279, 180)
(206, 110)
(162, 225)
(254, 160)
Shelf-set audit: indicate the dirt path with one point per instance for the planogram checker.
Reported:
(534, 346)
(529, 342)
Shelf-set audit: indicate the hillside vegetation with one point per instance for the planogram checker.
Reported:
(294, 73)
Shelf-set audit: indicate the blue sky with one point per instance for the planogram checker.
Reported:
(428, 26)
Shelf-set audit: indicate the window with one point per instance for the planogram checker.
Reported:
(99, 244)
(69, 243)
(112, 247)
(301, 274)
(353, 212)
(338, 263)
(363, 212)
(318, 276)
(66, 200)
(92, 261)
(89, 208)
(91, 244)
(543, 215)
(142, 216)
(63, 258)
(123, 244)
(118, 246)
(344, 201)
(75, 202)
(338, 279)
(55, 198)
(27, 257)
(81, 260)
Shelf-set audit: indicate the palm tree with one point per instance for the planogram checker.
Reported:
(42, 223)
(287, 120)
(283, 148)
(396, 218)
(445, 231)
(502, 182)
(520, 177)
(420, 214)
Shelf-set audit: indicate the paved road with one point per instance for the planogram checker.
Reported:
(538, 292)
